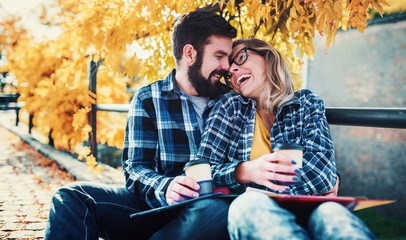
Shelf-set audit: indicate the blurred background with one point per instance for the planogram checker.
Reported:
(352, 55)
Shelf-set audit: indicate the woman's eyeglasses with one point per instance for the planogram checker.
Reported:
(239, 59)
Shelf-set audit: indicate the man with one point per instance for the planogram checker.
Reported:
(163, 133)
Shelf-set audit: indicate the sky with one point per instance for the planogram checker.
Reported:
(29, 11)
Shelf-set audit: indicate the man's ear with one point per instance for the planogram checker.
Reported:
(189, 54)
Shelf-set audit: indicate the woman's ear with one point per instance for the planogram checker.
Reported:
(189, 54)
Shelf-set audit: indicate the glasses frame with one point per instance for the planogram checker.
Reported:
(245, 50)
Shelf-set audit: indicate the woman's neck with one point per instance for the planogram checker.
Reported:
(267, 118)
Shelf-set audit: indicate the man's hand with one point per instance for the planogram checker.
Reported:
(180, 189)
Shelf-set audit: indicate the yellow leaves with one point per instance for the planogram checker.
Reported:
(53, 75)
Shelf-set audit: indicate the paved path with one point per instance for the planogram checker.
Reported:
(28, 181)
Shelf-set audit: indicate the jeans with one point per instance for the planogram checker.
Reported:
(84, 210)
(254, 215)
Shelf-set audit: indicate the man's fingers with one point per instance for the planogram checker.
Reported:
(174, 198)
(187, 182)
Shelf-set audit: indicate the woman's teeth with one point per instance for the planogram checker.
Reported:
(243, 78)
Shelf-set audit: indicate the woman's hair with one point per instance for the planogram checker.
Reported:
(278, 87)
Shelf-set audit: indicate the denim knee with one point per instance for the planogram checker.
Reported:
(333, 221)
(248, 202)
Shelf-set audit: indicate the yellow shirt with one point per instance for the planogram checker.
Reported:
(261, 144)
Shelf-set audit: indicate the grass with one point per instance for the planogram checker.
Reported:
(384, 228)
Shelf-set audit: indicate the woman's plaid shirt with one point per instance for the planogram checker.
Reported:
(229, 130)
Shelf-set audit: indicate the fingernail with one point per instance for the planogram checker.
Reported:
(195, 195)
(293, 162)
(287, 189)
(197, 186)
(295, 179)
(297, 171)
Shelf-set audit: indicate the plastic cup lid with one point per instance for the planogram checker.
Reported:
(283, 146)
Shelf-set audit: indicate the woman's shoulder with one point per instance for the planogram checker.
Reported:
(235, 99)
(233, 104)
(307, 97)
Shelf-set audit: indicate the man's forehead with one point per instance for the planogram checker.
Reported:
(219, 45)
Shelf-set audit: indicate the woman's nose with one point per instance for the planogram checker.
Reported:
(234, 68)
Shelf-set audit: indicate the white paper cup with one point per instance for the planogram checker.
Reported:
(200, 172)
(295, 152)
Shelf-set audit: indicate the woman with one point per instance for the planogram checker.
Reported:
(241, 132)
(243, 128)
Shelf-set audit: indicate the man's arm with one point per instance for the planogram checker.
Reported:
(141, 158)
(139, 154)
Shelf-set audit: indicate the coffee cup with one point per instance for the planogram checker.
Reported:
(200, 171)
(293, 151)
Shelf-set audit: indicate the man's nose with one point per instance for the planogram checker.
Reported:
(225, 65)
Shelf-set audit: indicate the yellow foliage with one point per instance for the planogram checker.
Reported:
(53, 75)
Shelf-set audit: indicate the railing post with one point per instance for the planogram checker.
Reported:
(30, 123)
(92, 72)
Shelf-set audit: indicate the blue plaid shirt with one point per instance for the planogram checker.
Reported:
(162, 134)
(228, 137)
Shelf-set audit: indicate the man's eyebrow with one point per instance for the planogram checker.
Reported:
(221, 52)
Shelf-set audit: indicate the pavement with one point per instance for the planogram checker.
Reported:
(30, 172)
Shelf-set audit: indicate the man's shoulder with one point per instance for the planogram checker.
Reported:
(151, 89)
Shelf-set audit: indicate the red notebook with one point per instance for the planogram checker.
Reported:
(353, 203)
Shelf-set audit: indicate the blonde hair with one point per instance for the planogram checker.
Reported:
(279, 85)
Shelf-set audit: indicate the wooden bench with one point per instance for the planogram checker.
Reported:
(8, 101)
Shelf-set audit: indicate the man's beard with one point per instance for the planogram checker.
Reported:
(203, 86)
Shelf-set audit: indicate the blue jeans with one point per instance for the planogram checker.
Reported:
(84, 210)
(254, 215)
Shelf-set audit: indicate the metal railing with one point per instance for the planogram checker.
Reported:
(349, 116)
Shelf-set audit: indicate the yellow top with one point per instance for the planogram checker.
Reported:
(261, 143)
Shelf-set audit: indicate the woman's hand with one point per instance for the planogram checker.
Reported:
(180, 189)
(268, 167)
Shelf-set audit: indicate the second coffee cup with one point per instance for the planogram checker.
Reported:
(293, 151)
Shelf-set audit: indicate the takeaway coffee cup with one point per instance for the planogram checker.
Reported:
(200, 172)
(295, 152)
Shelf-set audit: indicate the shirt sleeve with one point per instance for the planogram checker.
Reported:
(319, 169)
(218, 142)
(139, 154)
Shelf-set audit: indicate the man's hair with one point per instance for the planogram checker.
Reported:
(196, 28)
(278, 87)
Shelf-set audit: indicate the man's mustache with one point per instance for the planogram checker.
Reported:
(219, 72)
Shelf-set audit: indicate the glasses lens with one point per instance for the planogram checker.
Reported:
(240, 57)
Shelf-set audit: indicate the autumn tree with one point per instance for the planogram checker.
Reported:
(53, 77)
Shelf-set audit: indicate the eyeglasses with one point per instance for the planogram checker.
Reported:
(239, 59)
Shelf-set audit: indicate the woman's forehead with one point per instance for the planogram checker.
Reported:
(237, 48)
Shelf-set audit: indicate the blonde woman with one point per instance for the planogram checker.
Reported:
(240, 133)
